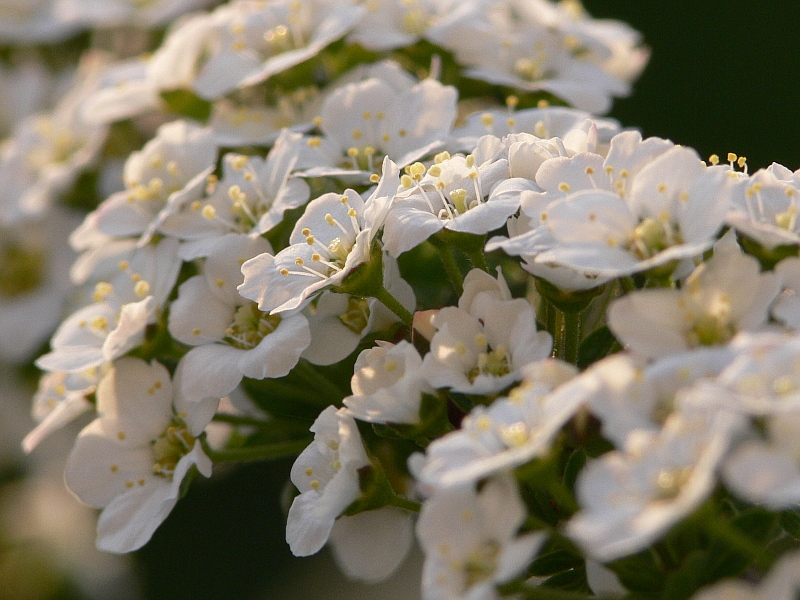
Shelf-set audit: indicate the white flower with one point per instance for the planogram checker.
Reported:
(328, 242)
(251, 196)
(326, 473)
(115, 323)
(131, 460)
(508, 433)
(671, 209)
(535, 45)
(59, 399)
(470, 541)
(481, 345)
(153, 175)
(364, 121)
(630, 498)
(231, 337)
(723, 295)
(339, 322)
(450, 194)
(764, 206)
(781, 583)
(244, 42)
(387, 384)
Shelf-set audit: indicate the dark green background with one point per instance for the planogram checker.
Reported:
(723, 76)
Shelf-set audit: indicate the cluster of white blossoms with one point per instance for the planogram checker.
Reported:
(574, 352)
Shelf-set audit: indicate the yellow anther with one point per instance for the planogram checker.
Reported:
(441, 157)
(417, 169)
(662, 187)
(309, 471)
(406, 182)
(480, 340)
(313, 142)
(714, 159)
(512, 101)
(380, 115)
(511, 122)
(352, 212)
(742, 161)
(310, 240)
(487, 119)
(352, 152)
(99, 323)
(121, 435)
(317, 121)
(367, 115)
(564, 186)
(357, 134)
(369, 150)
(142, 288)
(470, 161)
(284, 271)
(316, 257)
(732, 157)
(435, 171)
(195, 331)
(542, 104)
(123, 265)
(344, 199)
(129, 484)
(386, 137)
(390, 366)
(114, 468)
(299, 261)
(589, 170)
(305, 231)
(239, 162)
(209, 212)
(314, 483)
(483, 422)
(460, 349)
(329, 219)
(374, 178)
(624, 173)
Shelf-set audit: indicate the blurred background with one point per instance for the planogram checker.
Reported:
(723, 77)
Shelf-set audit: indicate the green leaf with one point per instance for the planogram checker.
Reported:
(691, 576)
(790, 521)
(575, 462)
(187, 104)
(639, 573)
(596, 345)
(572, 580)
(554, 562)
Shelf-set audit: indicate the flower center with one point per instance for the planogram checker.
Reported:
(652, 236)
(250, 326)
(491, 362)
(481, 563)
(21, 269)
(356, 317)
(170, 447)
(669, 482)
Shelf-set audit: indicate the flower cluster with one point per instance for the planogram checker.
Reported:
(571, 350)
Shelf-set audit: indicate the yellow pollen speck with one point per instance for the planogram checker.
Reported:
(114, 468)
(99, 323)
(313, 142)
(542, 104)
(662, 187)
(123, 265)
(140, 481)
(314, 483)
(611, 242)
(357, 134)
(129, 484)
(683, 196)
(121, 435)
(402, 132)
(195, 331)
(467, 516)
(511, 122)
(609, 170)
(380, 116)
(589, 170)
(564, 186)
(239, 162)
(317, 121)
(386, 137)
(335, 465)
(309, 471)
(367, 115)
(220, 283)
(624, 173)
(483, 422)
(460, 348)
(592, 216)
(390, 366)
(487, 119)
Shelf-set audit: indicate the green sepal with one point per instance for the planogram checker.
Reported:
(188, 104)
(366, 280)
(554, 562)
(790, 521)
(466, 242)
(565, 300)
(376, 492)
(768, 257)
(639, 573)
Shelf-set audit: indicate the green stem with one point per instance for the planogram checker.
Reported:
(315, 378)
(451, 267)
(572, 336)
(478, 260)
(404, 503)
(721, 528)
(240, 420)
(254, 453)
(393, 305)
